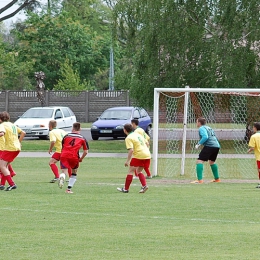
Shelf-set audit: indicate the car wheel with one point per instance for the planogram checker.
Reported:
(95, 137)
(149, 130)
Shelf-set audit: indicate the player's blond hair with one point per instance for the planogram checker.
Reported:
(53, 123)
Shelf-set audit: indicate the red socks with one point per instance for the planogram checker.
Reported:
(142, 179)
(55, 170)
(128, 181)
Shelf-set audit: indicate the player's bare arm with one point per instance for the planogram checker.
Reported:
(84, 154)
(51, 147)
(129, 156)
(250, 149)
(22, 135)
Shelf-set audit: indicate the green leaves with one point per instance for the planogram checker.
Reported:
(196, 43)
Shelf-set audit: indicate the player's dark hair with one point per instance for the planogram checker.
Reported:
(257, 126)
(128, 128)
(53, 123)
(76, 126)
(135, 121)
(4, 116)
(202, 120)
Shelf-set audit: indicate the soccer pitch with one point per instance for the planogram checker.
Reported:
(172, 220)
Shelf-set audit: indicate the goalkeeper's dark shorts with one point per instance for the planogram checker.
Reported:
(208, 153)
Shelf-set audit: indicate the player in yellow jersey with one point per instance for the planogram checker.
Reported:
(138, 157)
(146, 137)
(56, 135)
(12, 147)
(10, 168)
(254, 145)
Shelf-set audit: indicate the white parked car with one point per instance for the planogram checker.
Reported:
(35, 121)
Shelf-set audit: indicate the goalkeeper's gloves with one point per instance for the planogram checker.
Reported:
(197, 146)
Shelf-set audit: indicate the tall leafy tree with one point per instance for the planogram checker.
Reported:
(49, 40)
(13, 72)
(196, 43)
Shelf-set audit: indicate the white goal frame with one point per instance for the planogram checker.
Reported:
(185, 90)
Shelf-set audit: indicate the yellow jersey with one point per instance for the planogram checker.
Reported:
(141, 131)
(138, 144)
(11, 131)
(2, 143)
(255, 143)
(56, 136)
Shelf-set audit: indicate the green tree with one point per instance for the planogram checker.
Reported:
(13, 73)
(69, 78)
(49, 40)
(196, 43)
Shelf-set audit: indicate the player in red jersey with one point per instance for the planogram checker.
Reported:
(11, 150)
(70, 157)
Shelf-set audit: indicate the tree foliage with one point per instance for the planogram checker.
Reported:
(49, 40)
(69, 79)
(196, 43)
(13, 73)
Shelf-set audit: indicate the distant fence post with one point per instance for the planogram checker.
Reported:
(47, 94)
(127, 98)
(86, 106)
(6, 100)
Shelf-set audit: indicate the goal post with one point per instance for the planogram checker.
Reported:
(230, 112)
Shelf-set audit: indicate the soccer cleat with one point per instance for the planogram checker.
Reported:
(2, 187)
(61, 182)
(149, 177)
(216, 180)
(135, 178)
(11, 188)
(143, 189)
(258, 186)
(54, 180)
(69, 191)
(197, 182)
(122, 190)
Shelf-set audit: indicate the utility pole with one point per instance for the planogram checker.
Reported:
(111, 70)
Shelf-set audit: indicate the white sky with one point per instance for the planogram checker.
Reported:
(20, 15)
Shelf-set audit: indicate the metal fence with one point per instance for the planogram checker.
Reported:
(87, 105)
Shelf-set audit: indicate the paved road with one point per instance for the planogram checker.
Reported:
(176, 134)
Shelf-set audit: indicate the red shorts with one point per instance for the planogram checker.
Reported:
(258, 164)
(56, 156)
(66, 163)
(140, 162)
(9, 156)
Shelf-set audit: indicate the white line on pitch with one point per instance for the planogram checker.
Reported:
(140, 216)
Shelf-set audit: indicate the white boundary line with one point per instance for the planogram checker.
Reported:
(137, 216)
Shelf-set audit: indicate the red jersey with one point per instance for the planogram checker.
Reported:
(71, 144)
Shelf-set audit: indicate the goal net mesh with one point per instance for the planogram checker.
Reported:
(230, 115)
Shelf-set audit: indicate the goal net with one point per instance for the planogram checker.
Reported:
(229, 112)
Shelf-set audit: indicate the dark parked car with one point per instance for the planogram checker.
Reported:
(112, 121)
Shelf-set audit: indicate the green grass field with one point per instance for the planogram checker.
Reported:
(170, 221)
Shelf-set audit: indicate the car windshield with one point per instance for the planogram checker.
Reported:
(116, 114)
(38, 113)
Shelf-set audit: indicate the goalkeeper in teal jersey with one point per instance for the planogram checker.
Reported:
(209, 151)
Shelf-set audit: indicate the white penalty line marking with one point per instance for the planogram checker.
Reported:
(140, 216)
